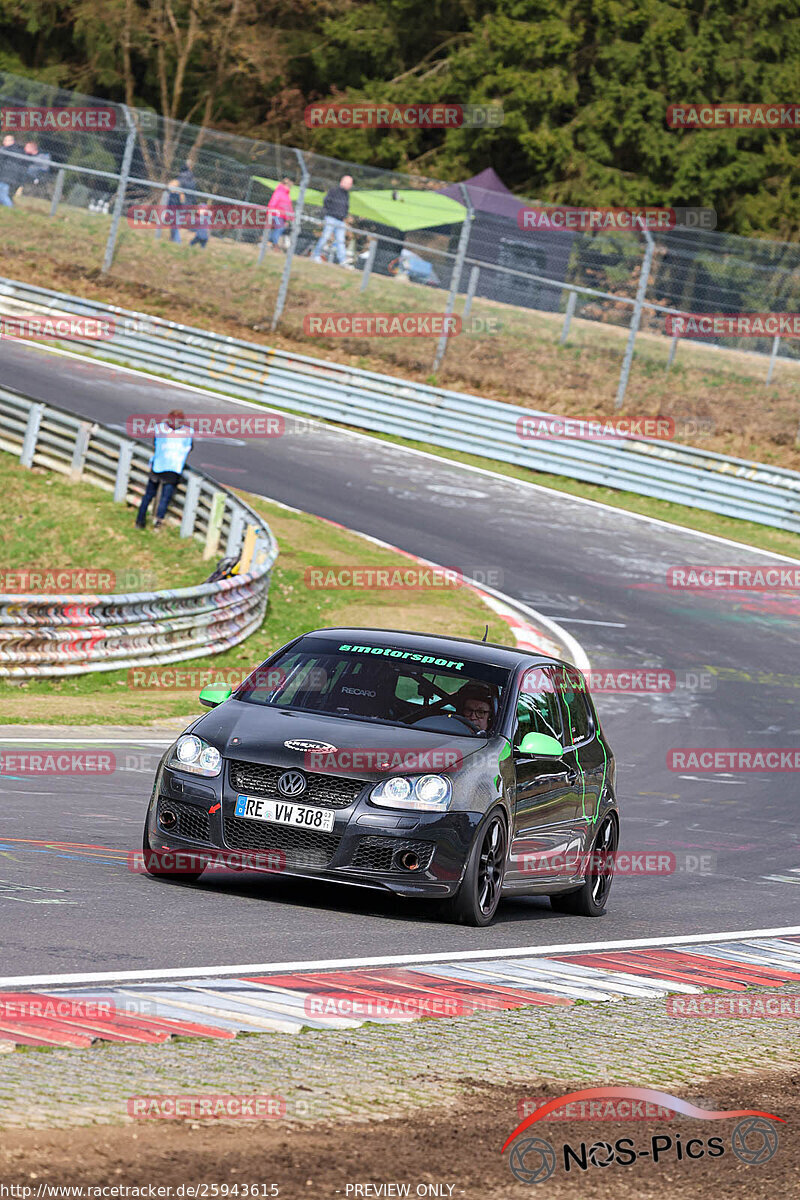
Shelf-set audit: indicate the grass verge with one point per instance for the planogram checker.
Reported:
(62, 525)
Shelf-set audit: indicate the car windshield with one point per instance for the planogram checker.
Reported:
(381, 682)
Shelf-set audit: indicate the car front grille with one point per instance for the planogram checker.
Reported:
(327, 791)
(302, 847)
(381, 854)
(193, 823)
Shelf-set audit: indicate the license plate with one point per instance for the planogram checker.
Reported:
(281, 813)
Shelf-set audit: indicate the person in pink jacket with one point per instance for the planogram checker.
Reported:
(281, 211)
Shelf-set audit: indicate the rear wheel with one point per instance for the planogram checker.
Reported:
(152, 862)
(590, 900)
(477, 899)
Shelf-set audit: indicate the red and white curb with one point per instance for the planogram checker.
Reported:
(214, 1007)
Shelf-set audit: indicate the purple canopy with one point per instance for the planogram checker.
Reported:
(488, 194)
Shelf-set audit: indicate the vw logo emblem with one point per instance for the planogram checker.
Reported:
(292, 783)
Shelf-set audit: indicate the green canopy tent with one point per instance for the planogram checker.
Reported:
(404, 209)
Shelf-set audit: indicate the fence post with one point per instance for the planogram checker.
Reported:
(215, 516)
(776, 341)
(373, 246)
(120, 197)
(636, 318)
(31, 435)
(298, 218)
(673, 346)
(79, 450)
(471, 289)
(190, 502)
(57, 190)
(571, 299)
(123, 472)
(461, 254)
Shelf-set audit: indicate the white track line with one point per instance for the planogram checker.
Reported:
(539, 487)
(240, 969)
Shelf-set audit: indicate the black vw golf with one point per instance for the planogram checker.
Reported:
(430, 766)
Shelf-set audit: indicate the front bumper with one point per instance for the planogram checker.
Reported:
(367, 847)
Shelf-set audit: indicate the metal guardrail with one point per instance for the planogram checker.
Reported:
(687, 475)
(47, 635)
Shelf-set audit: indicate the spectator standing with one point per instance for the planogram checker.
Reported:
(173, 444)
(187, 183)
(175, 199)
(280, 211)
(11, 170)
(335, 206)
(203, 217)
(37, 165)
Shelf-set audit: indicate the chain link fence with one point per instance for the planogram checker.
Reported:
(457, 242)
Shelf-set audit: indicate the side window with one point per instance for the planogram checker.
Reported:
(578, 722)
(537, 706)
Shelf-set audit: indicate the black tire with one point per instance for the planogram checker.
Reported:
(476, 901)
(591, 899)
(152, 868)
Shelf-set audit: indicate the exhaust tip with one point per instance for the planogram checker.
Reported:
(168, 819)
(409, 860)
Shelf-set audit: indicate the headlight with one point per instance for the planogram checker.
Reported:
(190, 753)
(430, 793)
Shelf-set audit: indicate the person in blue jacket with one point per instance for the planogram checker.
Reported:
(173, 443)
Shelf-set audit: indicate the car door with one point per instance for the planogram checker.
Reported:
(584, 751)
(546, 791)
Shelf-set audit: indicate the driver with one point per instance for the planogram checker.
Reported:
(475, 704)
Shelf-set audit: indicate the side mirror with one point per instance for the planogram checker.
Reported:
(212, 696)
(540, 745)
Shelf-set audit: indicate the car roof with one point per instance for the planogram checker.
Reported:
(483, 652)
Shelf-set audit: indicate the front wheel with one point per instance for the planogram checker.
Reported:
(590, 900)
(476, 901)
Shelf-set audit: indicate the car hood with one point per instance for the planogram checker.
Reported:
(257, 733)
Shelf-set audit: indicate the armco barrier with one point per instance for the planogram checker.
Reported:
(733, 487)
(72, 635)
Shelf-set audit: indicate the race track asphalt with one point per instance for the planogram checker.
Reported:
(602, 573)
